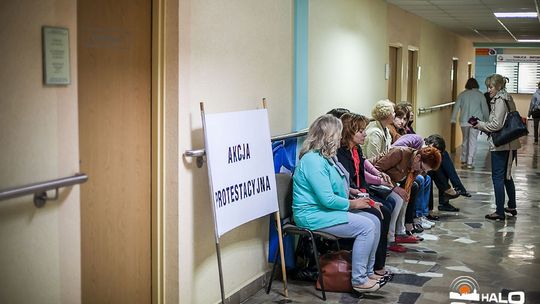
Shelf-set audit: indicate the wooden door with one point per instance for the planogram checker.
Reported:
(393, 77)
(412, 77)
(114, 70)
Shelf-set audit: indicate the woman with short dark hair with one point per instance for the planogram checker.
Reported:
(398, 126)
(471, 104)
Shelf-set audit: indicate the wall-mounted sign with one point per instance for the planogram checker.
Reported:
(486, 52)
(518, 58)
(56, 70)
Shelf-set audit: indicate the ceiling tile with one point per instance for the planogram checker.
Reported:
(461, 16)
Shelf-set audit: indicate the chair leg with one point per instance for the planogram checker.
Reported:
(337, 243)
(316, 254)
(276, 259)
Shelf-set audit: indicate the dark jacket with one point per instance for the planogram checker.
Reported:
(345, 158)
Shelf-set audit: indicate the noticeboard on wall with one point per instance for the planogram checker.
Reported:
(56, 69)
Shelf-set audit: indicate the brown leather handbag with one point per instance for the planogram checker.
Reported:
(336, 271)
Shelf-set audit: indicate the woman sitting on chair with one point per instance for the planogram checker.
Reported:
(362, 173)
(320, 201)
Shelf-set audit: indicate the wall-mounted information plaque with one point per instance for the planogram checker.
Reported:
(56, 56)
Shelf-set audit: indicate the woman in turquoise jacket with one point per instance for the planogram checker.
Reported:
(320, 200)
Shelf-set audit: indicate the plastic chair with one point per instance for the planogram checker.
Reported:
(284, 194)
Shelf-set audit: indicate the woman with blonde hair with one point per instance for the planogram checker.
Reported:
(378, 138)
(502, 156)
(321, 201)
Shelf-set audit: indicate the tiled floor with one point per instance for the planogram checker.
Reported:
(500, 256)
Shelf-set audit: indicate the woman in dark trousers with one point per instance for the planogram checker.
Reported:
(350, 156)
(443, 175)
(502, 157)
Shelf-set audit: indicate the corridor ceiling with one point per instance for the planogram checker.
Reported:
(474, 19)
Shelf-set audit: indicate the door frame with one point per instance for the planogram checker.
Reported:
(158, 151)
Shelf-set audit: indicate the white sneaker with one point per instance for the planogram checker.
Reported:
(424, 219)
(422, 223)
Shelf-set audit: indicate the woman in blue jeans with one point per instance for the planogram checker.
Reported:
(502, 157)
(320, 201)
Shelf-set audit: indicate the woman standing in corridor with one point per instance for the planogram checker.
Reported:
(502, 156)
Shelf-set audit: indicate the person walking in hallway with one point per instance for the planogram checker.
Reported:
(470, 103)
(502, 157)
(534, 112)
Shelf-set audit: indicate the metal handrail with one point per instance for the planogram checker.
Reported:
(40, 189)
(435, 108)
(200, 153)
(290, 135)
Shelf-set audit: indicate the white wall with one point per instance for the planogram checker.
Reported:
(437, 48)
(347, 55)
(40, 255)
(232, 54)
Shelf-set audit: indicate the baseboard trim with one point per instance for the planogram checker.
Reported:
(249, 290)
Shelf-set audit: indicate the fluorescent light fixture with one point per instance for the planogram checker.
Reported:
(517, 15)
(529, 40)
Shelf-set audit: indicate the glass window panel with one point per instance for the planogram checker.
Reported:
(510, 70)
(528, 77)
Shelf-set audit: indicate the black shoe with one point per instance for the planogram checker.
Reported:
(417, 228)
(495, 217)
(463, 192)
(432, 217)
(450, 196)
(513, 212)
(448, 207)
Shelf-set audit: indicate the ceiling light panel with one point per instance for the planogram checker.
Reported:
(516, 15)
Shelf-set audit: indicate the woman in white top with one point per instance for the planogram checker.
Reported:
(470, 103)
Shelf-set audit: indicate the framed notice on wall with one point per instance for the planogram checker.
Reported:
(56, 69)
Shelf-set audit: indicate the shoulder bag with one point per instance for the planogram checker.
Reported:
(513, 128)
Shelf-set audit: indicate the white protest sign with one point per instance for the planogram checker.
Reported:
(241, 167)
